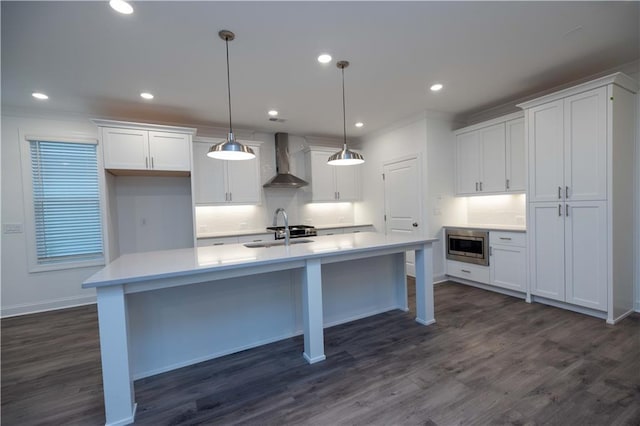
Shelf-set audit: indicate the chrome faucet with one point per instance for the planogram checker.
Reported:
(287, 233)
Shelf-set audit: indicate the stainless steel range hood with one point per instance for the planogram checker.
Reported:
(284, 179)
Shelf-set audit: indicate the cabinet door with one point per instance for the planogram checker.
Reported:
(243, 179)
(585, 139)
(546, 163)
(508, 267)
(586, 254)
(546, 249)
(169, 151)
(347, 182)
(323, 187)
(515, 159)
(493, 159)
(125, 149)
(209, 176)
(467, 163)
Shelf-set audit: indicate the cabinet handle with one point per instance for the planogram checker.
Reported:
(559, 209)
(490, 251)
(559, 193)
(231, 196)
(152, 166)
(464, 270)
(338, 195)
(566, 192)
(566, 209)
(226, 196)
(146, 162)
(256, 241)
(476, 186)
(480, 186)
(505, 238)
(218, 244)
(507, 183)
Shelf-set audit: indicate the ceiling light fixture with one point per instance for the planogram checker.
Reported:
(359, 124)
(230, 149)
(146, 95)
(273, 113)
(345, 157)
(40, 96)
(325, 58)
(436, 87)
(121, 6)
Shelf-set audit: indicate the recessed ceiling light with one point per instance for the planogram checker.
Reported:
(359, 124)
(40, 96)
(146, 95)
(324, 58)
(436, 87)
(273, 113)
(121, 6)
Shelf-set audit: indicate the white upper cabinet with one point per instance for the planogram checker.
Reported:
(145, 147)
(331, 183)
(569, 158)
(490, 157)
(222, 181)
(515, 156)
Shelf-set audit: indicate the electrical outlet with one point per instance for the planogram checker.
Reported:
(437, 212)
(12, 228)
(243, 225)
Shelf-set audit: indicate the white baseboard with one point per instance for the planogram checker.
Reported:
(506, 291)
(49, 305)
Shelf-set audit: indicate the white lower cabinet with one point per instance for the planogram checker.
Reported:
(569, 252)
(508, 260)
(469, 271)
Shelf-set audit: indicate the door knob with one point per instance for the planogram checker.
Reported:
(415, 224)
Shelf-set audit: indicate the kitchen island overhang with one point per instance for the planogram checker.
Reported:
(164, 310)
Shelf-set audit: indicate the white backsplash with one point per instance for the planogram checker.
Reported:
(496, 210)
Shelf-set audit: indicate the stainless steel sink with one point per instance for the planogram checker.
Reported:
(278, 243)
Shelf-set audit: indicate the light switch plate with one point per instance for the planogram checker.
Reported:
(12, 228)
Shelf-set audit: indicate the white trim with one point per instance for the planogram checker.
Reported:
(618, 79)
(143, 126)
(569, 307)
(49, 305)
(481, 125)
(67, 139)
(127, 420)
(505, 291)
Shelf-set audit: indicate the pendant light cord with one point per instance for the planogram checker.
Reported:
(226, 42)
(344, 114)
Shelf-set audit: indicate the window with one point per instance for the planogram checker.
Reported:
(65, 215)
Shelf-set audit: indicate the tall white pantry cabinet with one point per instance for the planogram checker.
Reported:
(580, 197)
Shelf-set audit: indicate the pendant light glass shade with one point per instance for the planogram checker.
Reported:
(345, 157)
(230, 149)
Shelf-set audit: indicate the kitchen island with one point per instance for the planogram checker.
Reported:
(163, 310)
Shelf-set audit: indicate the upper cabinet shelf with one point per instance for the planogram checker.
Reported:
(145, 149)
(490, 157)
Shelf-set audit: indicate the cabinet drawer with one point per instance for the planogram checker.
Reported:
(255, 238)
(508, 238)
(204, 242)
(469, 271)
(330, 231)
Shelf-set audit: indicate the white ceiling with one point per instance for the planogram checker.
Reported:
(92, 60)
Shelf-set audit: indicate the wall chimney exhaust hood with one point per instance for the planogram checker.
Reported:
(283, 178)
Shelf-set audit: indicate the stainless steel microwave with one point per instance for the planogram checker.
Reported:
(468, 245)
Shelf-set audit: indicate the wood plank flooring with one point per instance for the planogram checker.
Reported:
(489, 359)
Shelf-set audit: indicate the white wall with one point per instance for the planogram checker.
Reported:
(23, 291)
(432, 139)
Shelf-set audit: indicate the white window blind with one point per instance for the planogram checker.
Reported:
(66, 201)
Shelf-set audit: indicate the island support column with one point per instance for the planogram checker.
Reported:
(312, 312)
(119, 404)
(424, 285)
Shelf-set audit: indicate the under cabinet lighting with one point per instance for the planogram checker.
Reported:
(273, 112)
(146, 95)
(121, 6)
(359, 124)
(436, 87)
(40, 96)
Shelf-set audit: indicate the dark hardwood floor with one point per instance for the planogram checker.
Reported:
(490, 359)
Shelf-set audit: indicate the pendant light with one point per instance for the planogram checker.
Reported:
(345, 157)
(230, 149)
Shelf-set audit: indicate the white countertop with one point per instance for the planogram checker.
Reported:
(238, 233)
(139, 267)
(491, 227)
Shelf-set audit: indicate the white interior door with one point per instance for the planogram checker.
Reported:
(402, 195)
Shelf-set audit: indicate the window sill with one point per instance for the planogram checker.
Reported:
(66, 265)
